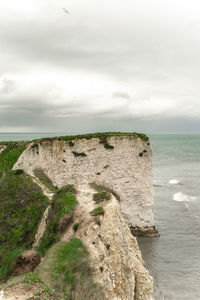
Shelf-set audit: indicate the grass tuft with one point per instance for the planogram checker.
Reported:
(101, 196)
(97, 211)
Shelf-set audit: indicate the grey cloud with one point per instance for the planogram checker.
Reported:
(137, 48)
(121, 95)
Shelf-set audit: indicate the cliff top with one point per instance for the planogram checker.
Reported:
(97, 135)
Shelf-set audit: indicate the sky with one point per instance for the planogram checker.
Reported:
(112, 65)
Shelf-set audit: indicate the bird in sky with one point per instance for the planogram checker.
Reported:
(66, 11)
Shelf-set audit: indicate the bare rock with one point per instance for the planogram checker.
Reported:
(64, 222)
(26, 262)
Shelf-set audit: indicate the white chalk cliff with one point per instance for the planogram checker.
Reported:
(126, 170)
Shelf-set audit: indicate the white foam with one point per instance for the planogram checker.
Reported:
(181, 197)
(174, 181)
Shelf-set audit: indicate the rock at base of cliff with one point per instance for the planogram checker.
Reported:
(147, 231)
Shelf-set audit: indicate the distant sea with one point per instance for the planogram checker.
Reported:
(26, 136)
(173, 259)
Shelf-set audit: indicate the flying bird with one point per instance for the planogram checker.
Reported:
(66, 11)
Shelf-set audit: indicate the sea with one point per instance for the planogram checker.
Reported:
(173, 259)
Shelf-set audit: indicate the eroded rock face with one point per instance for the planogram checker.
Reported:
(26, 262)
(126, 169)
(114, 253)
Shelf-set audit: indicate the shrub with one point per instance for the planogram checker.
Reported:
(79, 154)
(101, 196)
(76, 226)
(97, 211)
(102, 188)
(103, 140)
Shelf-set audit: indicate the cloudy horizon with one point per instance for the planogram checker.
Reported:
(117, 66)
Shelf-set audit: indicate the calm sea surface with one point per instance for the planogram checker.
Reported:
(174, 258)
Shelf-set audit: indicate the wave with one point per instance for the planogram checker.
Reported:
(181, 197)
(174, 181)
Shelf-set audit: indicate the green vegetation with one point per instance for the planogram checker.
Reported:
(101, 188)
(76, 226)
(141, 153)
(22, 204)
(10, 155)
(70, 272)
(31, 281)
(71, 144)
(40, 174)
(98, 135)
(63, 203)
(103, 140)
(79, 153)
(97, 211)
(101, 196)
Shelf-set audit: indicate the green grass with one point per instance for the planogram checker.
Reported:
(40, 174)
(22, 204)
(31, 281)
(97, 211)
(76, 226)
(10, 155)
(101, 196)
(70, 272)
(98, 135)
(102, 188)
(63, 203)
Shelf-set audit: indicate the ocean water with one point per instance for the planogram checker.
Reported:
(25, 136)
(173, 259)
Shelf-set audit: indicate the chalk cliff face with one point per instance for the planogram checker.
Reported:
(126, 169)
(122, 164)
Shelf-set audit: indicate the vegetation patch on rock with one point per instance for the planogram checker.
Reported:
(101, 188)
(101, 196)
(97, 211)
(63, 204)
(79, 153)
(40, 174)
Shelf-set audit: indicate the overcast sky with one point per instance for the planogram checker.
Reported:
(129, 65)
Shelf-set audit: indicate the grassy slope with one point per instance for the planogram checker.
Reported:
(66, 268)
(63, 203)
(22, 204)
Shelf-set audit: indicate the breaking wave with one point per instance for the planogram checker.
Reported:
(181, 197)
(174, 181)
